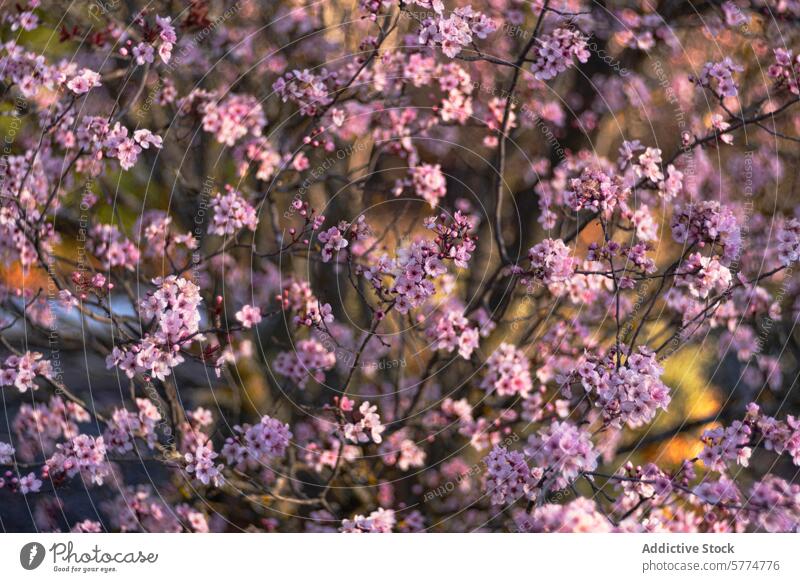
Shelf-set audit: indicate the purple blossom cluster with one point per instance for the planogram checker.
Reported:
(21, 371)
(557, 51)
(233, 118)
(630, 393)
(509, 478)
(718, 76)
(707, 222)
(309, 359)
(256, 445)
(454, 31)
(563, 451)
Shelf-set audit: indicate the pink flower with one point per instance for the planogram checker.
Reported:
(631, 393)
(579, 515)
(726, 445)
(249, 316)
(308, 90)
(6, 453)
(455, 31)
(701, 275)
(84, 81)
(29, 484)
(595, 191)
(707, 222)
(649, 165)
(333, 241)
(21, 371)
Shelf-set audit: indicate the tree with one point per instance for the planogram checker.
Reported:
(400, 266)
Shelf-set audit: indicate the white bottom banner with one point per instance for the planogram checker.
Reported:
(335, 557)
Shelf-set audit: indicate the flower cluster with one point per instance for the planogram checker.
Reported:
(726, 445)
(577, 516)
(552, 264)
(775, 504)
(631, 393)
(84, 81)
(785, 69)
(451, 330)
(707, 222)
(201, 464)
(719, 77)
(125, 425)
(453, 32)
(299, 298)
(417, 266)
(402, 452)
(308, 90)
(333, 241)
(6, 453)
(789, 242)
(140, 509)
(249, 316)
(39, 427)
(429, 183)
(309, 359)
(509, 478)
(84, 455)
(163, 40)
(509, 372)
(778, 436)
(174, 307)
(563, 451)
(112, 247)
(253, 446)
(231, 213)
(556, 52)
(649, 165)
(21, 371)
(233, 118)
(596, 191)
(701, 275)
(95, 134)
